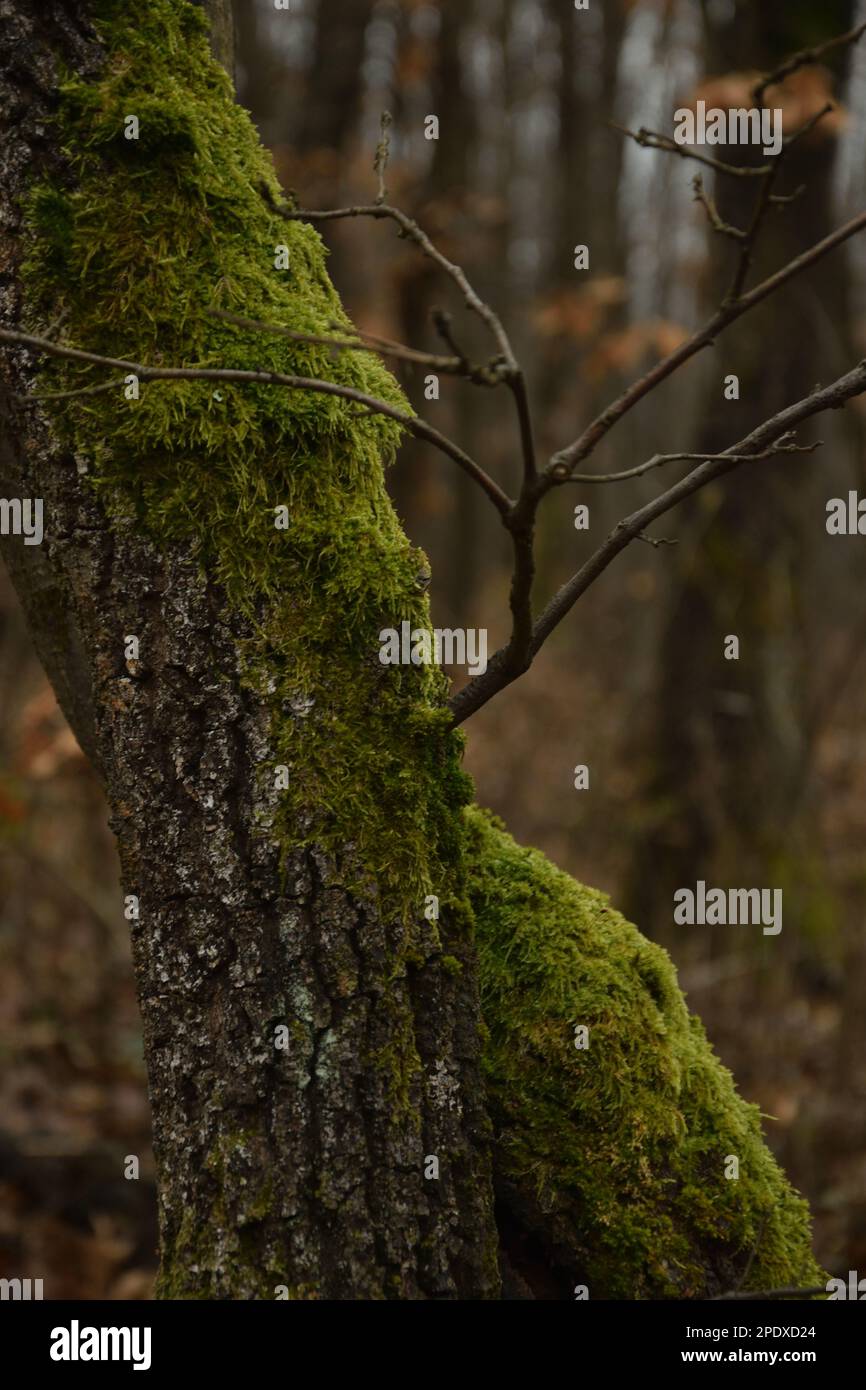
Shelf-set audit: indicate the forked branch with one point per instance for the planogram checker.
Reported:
(806, 57)
(420, 428)
(774, 437)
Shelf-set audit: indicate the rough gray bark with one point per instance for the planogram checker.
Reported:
(274, 1168)
(26, 97)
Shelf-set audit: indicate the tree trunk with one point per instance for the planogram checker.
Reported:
(263, 918)
(301, 877)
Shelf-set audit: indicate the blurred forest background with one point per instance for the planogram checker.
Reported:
(748, 773)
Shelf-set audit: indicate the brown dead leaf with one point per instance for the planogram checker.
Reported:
(45, 741)
(579, 313)
(799, 97)
(623, 350)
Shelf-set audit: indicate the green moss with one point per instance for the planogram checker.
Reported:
(146, 239)
(399, 1061)
(204, 1258)
(191, 1251)
(622, 1145)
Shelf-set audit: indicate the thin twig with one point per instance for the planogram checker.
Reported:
(807, 126)
(98, 390)
(747, 250)
(830, 397)
(511, 371)
(409, 227)
(653, 140)
(364, 342)
(656, 541)
(806, 57)
(784, 198)
(492, 373)
(658, 460)
(517, 384)
(716, 221)
(444, 327)
(380, 161)
(764, 202)
(420, 428)
(753, 1252)
(562, 463)
(500, 671)
(57, 322)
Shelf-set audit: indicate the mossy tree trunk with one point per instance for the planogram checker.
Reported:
(311, 1038)
(289, 811)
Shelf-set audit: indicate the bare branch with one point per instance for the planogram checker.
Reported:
(442, 324)
(499, 673)
(747, 249)
(57, 322)
(825, 398)
(518, 389)
(364, 342)
(410, 229)
(510, 371)
(99, 389)
(380, 161)
(656, 541)
(752, 1253)
(653, 140)
(806, 127)
(420, 428)
(563, 462)
(765, 201)
(500, 371)
(773, 438)
(806, 57)
(780, 447)
(784, 198)
(709, 205)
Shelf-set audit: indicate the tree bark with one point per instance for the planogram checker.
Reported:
(300, 1171)
(289, 811)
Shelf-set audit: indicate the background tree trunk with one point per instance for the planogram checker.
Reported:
(730, 738)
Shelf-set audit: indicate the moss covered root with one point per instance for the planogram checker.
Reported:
(618, 1150)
